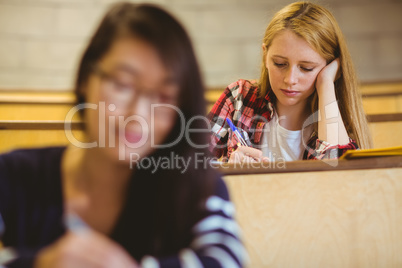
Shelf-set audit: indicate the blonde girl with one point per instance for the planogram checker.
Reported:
(306, 104)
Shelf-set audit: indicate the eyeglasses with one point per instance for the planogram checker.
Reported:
(122, 88)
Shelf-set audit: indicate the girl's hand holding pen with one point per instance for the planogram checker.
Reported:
(236, 133)
(247, 155)
(244, 153)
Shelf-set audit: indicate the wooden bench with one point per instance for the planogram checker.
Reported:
(311, 214)
(49, 108)
(39, 105)
(26, 134)
(378, 98)
(386, 130)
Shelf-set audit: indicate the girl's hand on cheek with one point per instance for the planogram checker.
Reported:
(327, 75)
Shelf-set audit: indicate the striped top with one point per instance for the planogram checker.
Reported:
(216, 240)
(31, 206)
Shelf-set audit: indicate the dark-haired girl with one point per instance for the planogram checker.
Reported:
(138, 67)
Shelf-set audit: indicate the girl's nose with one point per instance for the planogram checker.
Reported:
(140, 106)
(291, 76)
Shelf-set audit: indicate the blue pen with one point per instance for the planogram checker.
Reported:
(74, 223)
(236, 132)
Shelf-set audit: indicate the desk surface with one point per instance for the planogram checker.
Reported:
(310, 165)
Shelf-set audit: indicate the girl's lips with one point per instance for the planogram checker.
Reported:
(289, 93)
(132, 137)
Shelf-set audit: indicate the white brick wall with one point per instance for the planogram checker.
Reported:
(52, 55)
(389, 48)
(10, 53)
(29, 21)
(77, 22)
(376, 18)
(41, 41)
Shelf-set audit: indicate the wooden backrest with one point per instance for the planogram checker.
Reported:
(386, 131)
(27, 134)
(378, 98)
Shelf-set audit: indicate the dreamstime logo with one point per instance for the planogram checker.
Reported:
(112, 129)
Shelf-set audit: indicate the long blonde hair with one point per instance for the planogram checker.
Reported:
(318, 27)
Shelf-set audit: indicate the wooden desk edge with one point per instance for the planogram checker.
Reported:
(311, 165)
(38, 125)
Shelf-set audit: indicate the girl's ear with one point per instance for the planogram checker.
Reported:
(339, 71)
(264, 48)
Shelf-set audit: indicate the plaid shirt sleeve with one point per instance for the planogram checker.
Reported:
(318, 149)
(222, 109)
(237, 102)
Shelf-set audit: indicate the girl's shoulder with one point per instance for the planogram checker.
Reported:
(28, 160)
(243, 87)
(30, 170)
(221, 189)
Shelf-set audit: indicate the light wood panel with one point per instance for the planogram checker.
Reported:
(321, 219)
(381, 88)
(37, 96)
(10, 111)
(42, 105)
(386, 134)
(58, 111)
(17, 138)
(371, 105)
(382, 104)
(378, 98)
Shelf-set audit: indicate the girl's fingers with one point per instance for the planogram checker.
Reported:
(235, 157)
(248, 159)
(251, 152)
(265, 159)
(245, 154)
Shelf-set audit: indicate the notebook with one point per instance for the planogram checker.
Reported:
(391, 151)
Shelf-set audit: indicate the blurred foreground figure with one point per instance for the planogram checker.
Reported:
(134, 192)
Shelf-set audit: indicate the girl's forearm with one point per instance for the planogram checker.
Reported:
(330, 125)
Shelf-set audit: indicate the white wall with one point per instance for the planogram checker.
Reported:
(41, 40)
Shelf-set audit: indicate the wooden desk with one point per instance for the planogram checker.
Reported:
(348, 216)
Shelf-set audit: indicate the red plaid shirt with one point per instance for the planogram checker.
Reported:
(249, 113)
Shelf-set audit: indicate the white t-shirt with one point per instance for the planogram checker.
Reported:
(280, 144)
